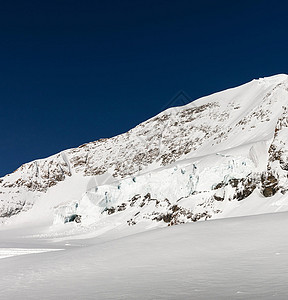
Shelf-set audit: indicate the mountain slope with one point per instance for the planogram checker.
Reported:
(199, 161)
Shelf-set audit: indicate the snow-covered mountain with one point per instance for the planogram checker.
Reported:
(222, 155)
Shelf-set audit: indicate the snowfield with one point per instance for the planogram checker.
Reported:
(9, 252)
(233, 258)
(217, 168)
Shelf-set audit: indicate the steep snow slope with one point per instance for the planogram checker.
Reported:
(194, 162)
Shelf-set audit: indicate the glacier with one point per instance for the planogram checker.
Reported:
(216, 167)
(189, 163)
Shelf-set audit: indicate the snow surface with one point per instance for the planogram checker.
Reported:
(9, 252)
(233, 258)
(124, 187)
(180, 151)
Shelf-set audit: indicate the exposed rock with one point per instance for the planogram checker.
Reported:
(180, 134)
(269, 184)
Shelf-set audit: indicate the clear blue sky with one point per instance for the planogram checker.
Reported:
(76, 71)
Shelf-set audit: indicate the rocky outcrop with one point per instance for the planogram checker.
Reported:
(214, 124)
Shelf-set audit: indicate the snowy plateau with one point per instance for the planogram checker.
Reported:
(99, 221)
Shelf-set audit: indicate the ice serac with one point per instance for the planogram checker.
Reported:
(222, 155)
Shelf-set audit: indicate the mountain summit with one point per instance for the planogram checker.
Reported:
(222, 155)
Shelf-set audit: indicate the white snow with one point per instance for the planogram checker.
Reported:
(9, 252)
(120, 250)
(234, 258)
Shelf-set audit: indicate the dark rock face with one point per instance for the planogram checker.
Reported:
(266, 182)
(174, 214)
(19, 206)
(111, 210)
(181, 216)
(217, 198)
(10, 212)
(243, 187)
(278, 150)
(39, 175)
(269, 184)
